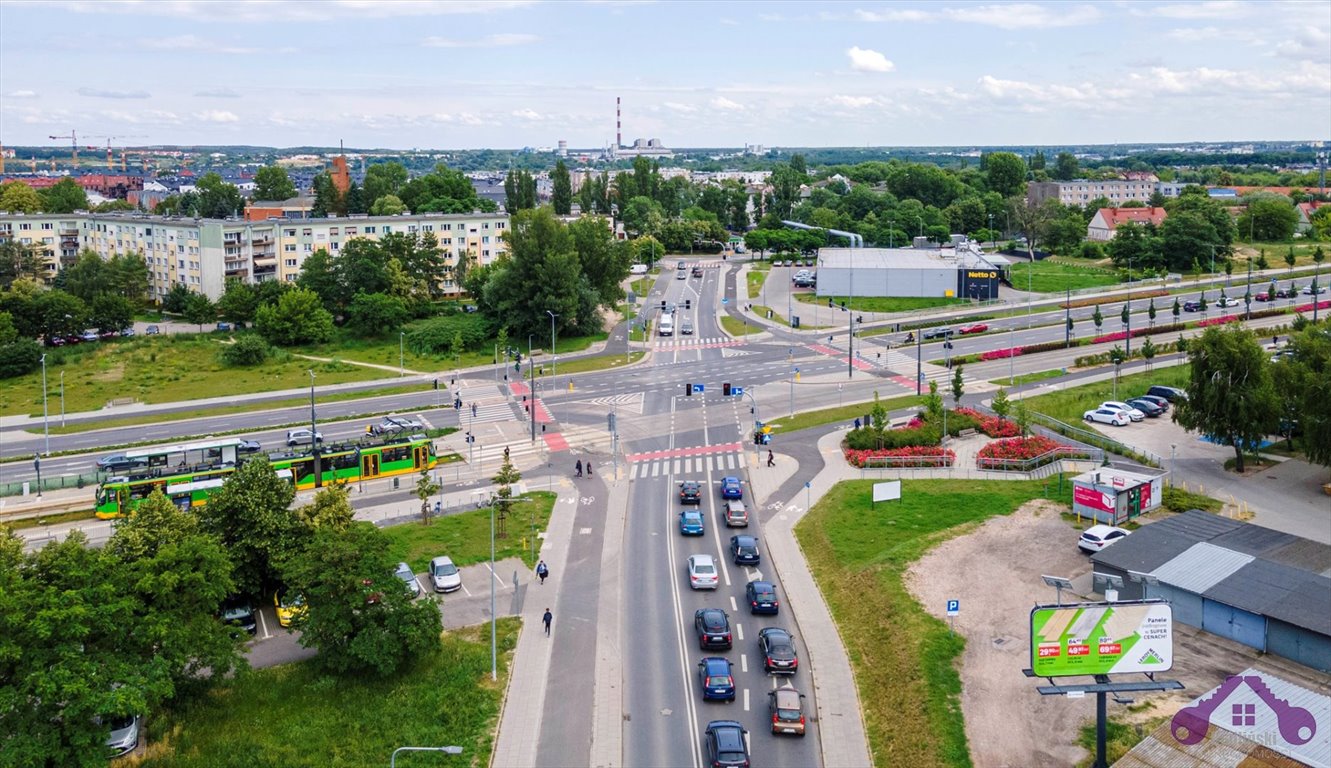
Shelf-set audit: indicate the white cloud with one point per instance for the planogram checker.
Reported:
(678, 107)
(266, 11)
(893, 15)
(528, 114)
(1310, 44)
(216, 116)
(503, 40)
(854, 102)
(217, 93)
(721, 102)
(21, 95)
(729, 22)
(1216, 9)
(98, 93)
(865, 60)
(193, 43)
(1025, 15)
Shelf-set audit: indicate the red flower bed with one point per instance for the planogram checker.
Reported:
(1222, 320)
(913, 456)
(1001, 354)
(1019, 448)
(1147, 331)
(1309, 307)
(991, 425)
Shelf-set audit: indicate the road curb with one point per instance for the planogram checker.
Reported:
(608, 702)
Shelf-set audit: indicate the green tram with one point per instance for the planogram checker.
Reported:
(189, 484)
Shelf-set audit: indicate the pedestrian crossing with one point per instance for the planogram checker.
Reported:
(487, 411)
(693, 342)
(731, 461)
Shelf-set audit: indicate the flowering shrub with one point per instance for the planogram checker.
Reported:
(1001, 354)
(867, 438)
(1092, 301)
(913, 456)
(1147, 331)
(1309, 307)
(1222, 320)
(1019, 448)
(991, 425)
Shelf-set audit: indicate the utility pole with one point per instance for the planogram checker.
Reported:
(531, 396)
(314, 437)
(1067, 319)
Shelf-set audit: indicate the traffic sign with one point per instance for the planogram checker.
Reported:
(953, 607)
(724, 300)
(698, 388)
(737, 391)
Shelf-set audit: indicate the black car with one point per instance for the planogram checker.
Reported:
(726, 747)
(249, 446)
(937, 333)
(778, 650)
(121, 463)
(744, 549)
(1192, 306)
(713, 628)
(1147, 407)
(237, 612)
(690, 492)
(1172, 394)
(761, 596)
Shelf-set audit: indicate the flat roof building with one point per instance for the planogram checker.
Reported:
(956, 270)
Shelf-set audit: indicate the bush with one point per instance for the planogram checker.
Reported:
(913, 456)
(1019, 448)
(867, 438)
(249, 349)
(989, 425)
(435, 336)
(19, 357)
(297, 318)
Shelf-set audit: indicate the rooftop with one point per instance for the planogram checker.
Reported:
(934, 257)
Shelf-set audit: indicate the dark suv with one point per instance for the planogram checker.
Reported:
(690, 492)
(744, 550)
(937, 333)
(725, 744)
(713, 628)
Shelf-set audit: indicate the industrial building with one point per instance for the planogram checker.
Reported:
(955, 270)
(1114, 496)
(1257, 586)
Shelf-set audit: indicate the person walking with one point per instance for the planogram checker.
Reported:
(589, 469)
(547, 618)
(577, 466)
(857, 422)
(771, 460)
(542, 570)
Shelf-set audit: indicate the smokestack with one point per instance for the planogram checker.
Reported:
(619, 140)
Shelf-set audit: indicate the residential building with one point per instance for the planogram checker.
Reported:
(294, 208)
(1107, 220)
(1083, 191)
(202, 254)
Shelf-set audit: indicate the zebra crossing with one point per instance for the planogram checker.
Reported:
(687, 465)
(489, 410)
(693, 342)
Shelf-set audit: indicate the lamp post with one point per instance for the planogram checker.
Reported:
(392, 761)
(554, 356)
(1173, 468)
(920, 219)
(1127, 342)
(401, 357)
(992, 242)
(62, 398)
(46, 425)
(531, 396)
(314, 436)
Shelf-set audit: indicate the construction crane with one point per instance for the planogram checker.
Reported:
(73, 143)
(110, 160)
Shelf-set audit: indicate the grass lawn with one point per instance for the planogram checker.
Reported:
(846, 413)
(585, 364)
(296, 715)
(1056, 277)
(44, 520)
(756, 279)
(884, 303)
(465, 536)
(1027, 378)
(385, 351)
(736, 327)
(160, 369)
(643, 285)
(904, 659)
(1067, 405)
(776, 317)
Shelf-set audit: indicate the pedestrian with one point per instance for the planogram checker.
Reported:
(1275, 341)
(578, 467)
(438, 508)
(542, 570)
(857, 422)
(473, 410)
(547, 618)
(589, 469)
(771, 460)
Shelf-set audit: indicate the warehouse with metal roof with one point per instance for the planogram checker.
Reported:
(1263, 588)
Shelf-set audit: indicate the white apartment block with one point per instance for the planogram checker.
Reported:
(1082, 191)
(202, 254)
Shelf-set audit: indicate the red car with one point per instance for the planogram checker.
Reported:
(974, 328)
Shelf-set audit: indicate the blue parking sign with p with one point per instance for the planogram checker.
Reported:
(953, 607)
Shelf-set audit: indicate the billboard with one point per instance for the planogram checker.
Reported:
(1102, 638)
(1093, 497)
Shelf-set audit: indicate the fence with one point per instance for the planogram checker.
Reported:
(55, 483)
(1097, 440)
(909, 462)
(1035, 462)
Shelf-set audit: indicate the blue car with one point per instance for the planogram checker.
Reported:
(731, 489)
(690, 522)
(761, 596)
(744, 550)
(717, 682)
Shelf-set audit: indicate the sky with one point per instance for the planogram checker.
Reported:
(406, 74)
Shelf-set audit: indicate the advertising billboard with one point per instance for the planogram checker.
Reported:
(1102, 638)
(1093, 497)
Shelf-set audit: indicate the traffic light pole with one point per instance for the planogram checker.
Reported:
(531, 404)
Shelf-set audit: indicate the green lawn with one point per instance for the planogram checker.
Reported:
(883, 303)
(846, 413)
(643, 285)
(904, 659)
(385, 351)
(756, 279)
(585, 364)
(465, 536)
(1067, 405)
(737, 327)
(1027, 378)
(296, 715)
(160, 369)
(1055, 277)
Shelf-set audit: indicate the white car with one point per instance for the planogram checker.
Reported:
(702, 572)
(1097, 537)
(303, 437)
(404, 572)
(1308, 289)
(444, 575)
(1106, 416)
(1115, 405)
(1225, 301)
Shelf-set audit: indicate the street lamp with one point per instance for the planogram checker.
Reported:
(554, 356)
(392, 761)
(401, 358)
(992, 242)
(46, 425)
(314, 436)
(62, 398)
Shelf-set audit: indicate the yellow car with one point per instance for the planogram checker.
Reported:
(289, 607)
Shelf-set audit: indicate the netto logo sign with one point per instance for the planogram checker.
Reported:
(983, 275)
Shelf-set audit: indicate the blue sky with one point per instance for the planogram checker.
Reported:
(402, 74)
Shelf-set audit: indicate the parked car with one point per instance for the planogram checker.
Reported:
(786, 707)
(690, 492)
(973, 328)
(1262, 296)
(941, 332)
(249, 446)
(778, 263)
(225, 326)
(105, 335)
(1106, 416)
(761, 596)
(303, 437)
(1192, 306)
(152, 330)
(717, 681)
(1115, 405)
(1225, 301)
(744, 550)
(444, 575)
(1308, 290)
(702, 572)
(1287, 293)
(726, 747)
(1097, 537)
(778, 651)
(237, 612)
(55, 341)
(89, 336)
(731, 488)
(290, 606)
(690, 522)
(1160, 401)
(120, 463)
(124, 735)
(404, 572)
(1147, 407)
(737, 515)
(712, 626)
(1172, 394)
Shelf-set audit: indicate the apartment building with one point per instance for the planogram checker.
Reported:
(1083, 191)
(202, 254)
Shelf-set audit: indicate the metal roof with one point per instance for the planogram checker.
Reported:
(1197, 525)
(1201, 567)
(1278, 591)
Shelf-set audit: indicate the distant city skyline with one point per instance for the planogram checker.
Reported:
(506, 74)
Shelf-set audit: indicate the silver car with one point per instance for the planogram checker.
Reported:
(124, 736)
(404, 572)
(303, 437)
(444, 575)
(702, 572)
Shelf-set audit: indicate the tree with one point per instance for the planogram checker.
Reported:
(65, 196)
(218, 199)
(111, 314)
(958, 386)
(271, 182)
(1023, 419)
(238, 302)
(1117, 356)
(1262, 263)
(878, 413)
(388, 205)
(251, 516)
(1137, 245)
(1006, 173)
(1176, 309)
(18, 260)
(1231, 395)
(199, 310)
(327, 198)
(933, 403)
(126, 275)
(330, 509)
(376, 314)
(176, 299)
(443, 190)
(1187, 237)
(457, 347)
(519, 191)
(317, 274)
(425, 488)
(1150, 312)
(505, 479)
(1000, 405)
(1098, 319)
(18, 356)
(250, 349)
(297, 318)
(1065, 167)
(383, 179)
(1289, 258)
(1124, 317)
(1148, 352)
(603, 260)
(1032, 219)
(541, 274)
(562, 193)
(1304, 381)
(58, 314)
(1268, 218)
(85, 278)
(17, 197)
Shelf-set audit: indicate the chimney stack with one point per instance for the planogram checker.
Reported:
(619, 141)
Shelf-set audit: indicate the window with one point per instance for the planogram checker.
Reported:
(350, 231)
(24, 226)
(47, 225)
(428, 227)
(289, 247)
(288, 233)
(499, 225)
(307, 231)
(411, 227)
(485, 238)
(332, 231)
(486, 225)
(388, 229)
(445, 241)
(309, 247)
(290, 262)
(445, 227)
(369, 230)
(333, 245)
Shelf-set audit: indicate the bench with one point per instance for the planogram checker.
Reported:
(967, 432)
(121, 401)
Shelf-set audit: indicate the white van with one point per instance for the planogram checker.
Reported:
(667, 326)
(638, 269)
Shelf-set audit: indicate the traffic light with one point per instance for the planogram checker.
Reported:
(829, 302)
(725, 389)
(610, 422)
(436, 383)
(663, 305)
(470, 438)
(517, 366)
(688, 303)
(688, 390)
